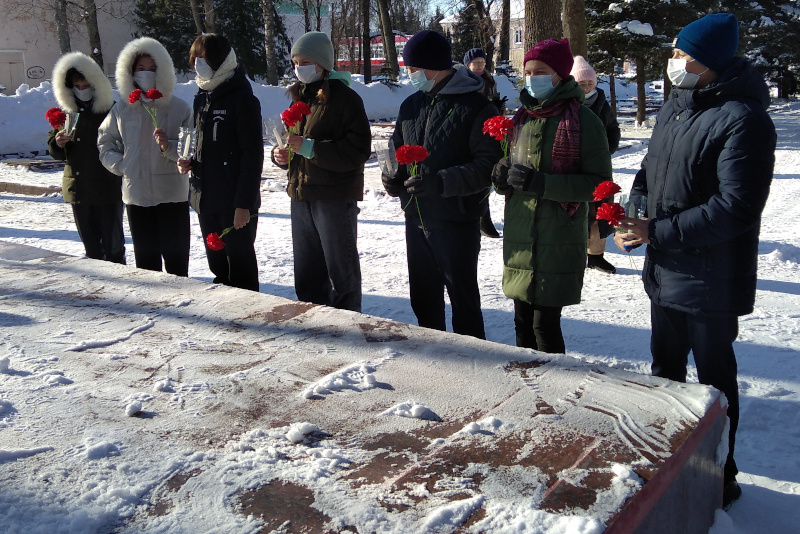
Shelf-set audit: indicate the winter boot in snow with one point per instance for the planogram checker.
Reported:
(730, 493)
(596, 261)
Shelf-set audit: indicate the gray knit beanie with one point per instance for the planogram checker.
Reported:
(317, 47)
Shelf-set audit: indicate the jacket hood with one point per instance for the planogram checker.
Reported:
(103, 93)
(739, 81)
(165, 69)
(463, 81)
(343, 77)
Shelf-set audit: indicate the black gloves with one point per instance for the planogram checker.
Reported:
(424, 185)
(500, 176)
(526, 179)
(392, 185)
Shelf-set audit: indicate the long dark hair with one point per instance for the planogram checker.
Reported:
(214, 47)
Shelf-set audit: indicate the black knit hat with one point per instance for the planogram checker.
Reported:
(428, 50)
(473, 53)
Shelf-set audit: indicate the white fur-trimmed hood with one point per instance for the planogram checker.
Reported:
(103, 94)
(165, 69)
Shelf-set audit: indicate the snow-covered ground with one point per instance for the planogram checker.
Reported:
(610, 326)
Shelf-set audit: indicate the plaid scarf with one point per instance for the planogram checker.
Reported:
(566, 157)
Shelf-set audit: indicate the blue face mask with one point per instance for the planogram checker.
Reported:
(421, 82)
(540, 86)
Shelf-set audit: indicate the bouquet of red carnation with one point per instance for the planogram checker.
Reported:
(55, 117)
(499, 127)
(137, 95)
(291, 118)
(411, 155)
(214, 240)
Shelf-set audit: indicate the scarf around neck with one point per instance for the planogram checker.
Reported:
(222, 74)
(566, 155)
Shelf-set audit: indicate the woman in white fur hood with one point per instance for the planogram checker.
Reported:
(155, 194)
(84, 93)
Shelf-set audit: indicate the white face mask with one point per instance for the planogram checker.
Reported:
(203, 69)
(84, 95)
(590, 94)
(145, 79)
(307, 73)
(540, 86)
(679, 76)
(421, 82)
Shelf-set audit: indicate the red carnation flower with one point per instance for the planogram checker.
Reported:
(135, 95)
(498, 127)
(611, 212)
(301, 107)
(153, 94)
(605, 189)
(214, 242)
(411, 154)
(55, 117)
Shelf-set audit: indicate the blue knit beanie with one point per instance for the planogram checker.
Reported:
(473, 53)
(712, 40)
(428, 50)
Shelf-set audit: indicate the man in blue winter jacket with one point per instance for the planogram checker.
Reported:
(706, 178)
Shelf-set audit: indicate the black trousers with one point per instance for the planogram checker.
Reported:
(710, 339)
(236, 265)
(161, 231)
(100, 229)
(445, 255)
(538, 327)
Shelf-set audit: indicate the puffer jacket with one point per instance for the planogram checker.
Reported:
(125, 139)
(544, 249)
(341, 133)
(707, 175)
(448, 122)
(85, 180)
(226, 173)
(600, 106)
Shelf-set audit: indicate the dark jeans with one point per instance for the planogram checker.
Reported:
(161, 231)
(445, 255)
(538, 327)
(100, 229)
(235, 265)
(710, 339)
(326, 265)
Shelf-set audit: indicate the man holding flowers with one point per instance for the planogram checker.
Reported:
(446, 194)
(706, 178)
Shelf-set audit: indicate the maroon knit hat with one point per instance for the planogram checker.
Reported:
(556, 54)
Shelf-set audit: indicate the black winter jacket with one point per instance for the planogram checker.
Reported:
(448, 122)
(707, 175)
(602, 109)
(226, 170)
(85, 179)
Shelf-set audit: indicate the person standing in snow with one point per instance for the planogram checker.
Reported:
(154, 192)
(475, 60)
(446, 196)
(595, 99)
(326, 177)
(560, 155)
(226, 169)
(706, 179)
(83, 90)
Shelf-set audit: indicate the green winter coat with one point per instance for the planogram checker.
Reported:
(544, 250)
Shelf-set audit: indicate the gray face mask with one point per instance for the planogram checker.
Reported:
(84, 95)
(145, 79)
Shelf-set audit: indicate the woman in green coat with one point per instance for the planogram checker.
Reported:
(560, 154)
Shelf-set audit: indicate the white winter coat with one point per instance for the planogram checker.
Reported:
(125, 139)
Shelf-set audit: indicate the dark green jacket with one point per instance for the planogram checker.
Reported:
(85, 180)
(342, 144)
(544, 249)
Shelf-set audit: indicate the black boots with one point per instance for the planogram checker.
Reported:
(596, 261)
(730, 493)
(487, 226)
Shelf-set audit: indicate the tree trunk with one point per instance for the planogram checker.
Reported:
(93, 32)
(268, 7)
(306, 15)
(641, 97)
(667, 85)
(505, 30)
(612, 93)
(62, 25)
(542, 21)
(196, 16)
(211, 19)
(486, 32)
(575, 26)
(318, 18)
(389, 48)
(366, 53)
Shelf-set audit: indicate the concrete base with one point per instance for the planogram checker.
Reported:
(499, 427)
